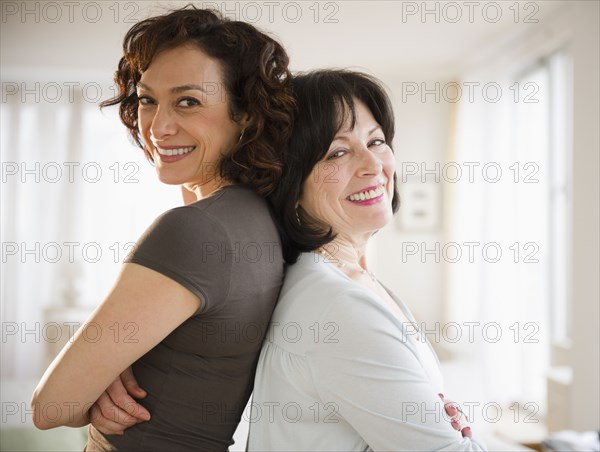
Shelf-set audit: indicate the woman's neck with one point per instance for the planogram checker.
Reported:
(346, 252)
(196, 191)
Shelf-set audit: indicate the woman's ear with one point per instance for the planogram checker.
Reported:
(243, 123)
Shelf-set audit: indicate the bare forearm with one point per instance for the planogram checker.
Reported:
(84, 369)
(47, 415)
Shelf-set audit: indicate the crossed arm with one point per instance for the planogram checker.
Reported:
(147, 300)
(68, 393)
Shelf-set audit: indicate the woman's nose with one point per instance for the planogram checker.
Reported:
(370, 163)
(163, 124)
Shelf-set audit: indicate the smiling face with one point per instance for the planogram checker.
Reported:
(184, 118)
(351, 188)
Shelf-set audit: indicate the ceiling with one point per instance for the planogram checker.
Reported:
(385, 37)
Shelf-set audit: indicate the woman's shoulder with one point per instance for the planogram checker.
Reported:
(185, 221)
(230, 197)
(231, 208)
(236, 207)
(313, 274)
(314, 291)
(190, 230)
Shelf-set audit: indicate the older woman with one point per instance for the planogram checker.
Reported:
(341, 367)
(208, 100)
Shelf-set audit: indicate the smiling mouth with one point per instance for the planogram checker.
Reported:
(367, 194)
(175, 151)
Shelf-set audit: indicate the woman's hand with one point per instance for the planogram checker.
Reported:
(456, 414)
(115, 410)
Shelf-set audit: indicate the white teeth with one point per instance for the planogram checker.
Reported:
(364, 195)
(178, 151)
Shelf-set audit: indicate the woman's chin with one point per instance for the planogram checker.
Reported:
(370, 227)
(169, 177)
(381, 221)
(169, 181)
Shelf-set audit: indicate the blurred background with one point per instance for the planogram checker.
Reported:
(495, 248)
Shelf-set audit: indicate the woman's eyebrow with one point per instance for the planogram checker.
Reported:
(179, 89)
(377, 127)
(344, 138)
(176, 89)
(143, 86)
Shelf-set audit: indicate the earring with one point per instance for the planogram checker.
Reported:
(241, 135)
(298, 216)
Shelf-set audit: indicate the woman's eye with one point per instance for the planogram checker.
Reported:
(377, 142)
(336, 154)
(144, 100)
(188, 102)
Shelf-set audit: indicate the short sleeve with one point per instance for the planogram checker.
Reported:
(377, 382)
(189, 246)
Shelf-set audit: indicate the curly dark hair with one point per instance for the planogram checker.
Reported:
(255, 76)
(325, 98)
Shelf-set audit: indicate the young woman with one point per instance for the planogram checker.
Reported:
(209, 102)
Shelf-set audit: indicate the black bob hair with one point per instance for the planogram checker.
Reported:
(324, 100)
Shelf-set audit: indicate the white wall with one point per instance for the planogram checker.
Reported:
(421, 137)
(585, 295)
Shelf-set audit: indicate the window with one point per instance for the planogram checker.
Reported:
(524, 215)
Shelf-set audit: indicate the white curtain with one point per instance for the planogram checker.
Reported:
(75, 193)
